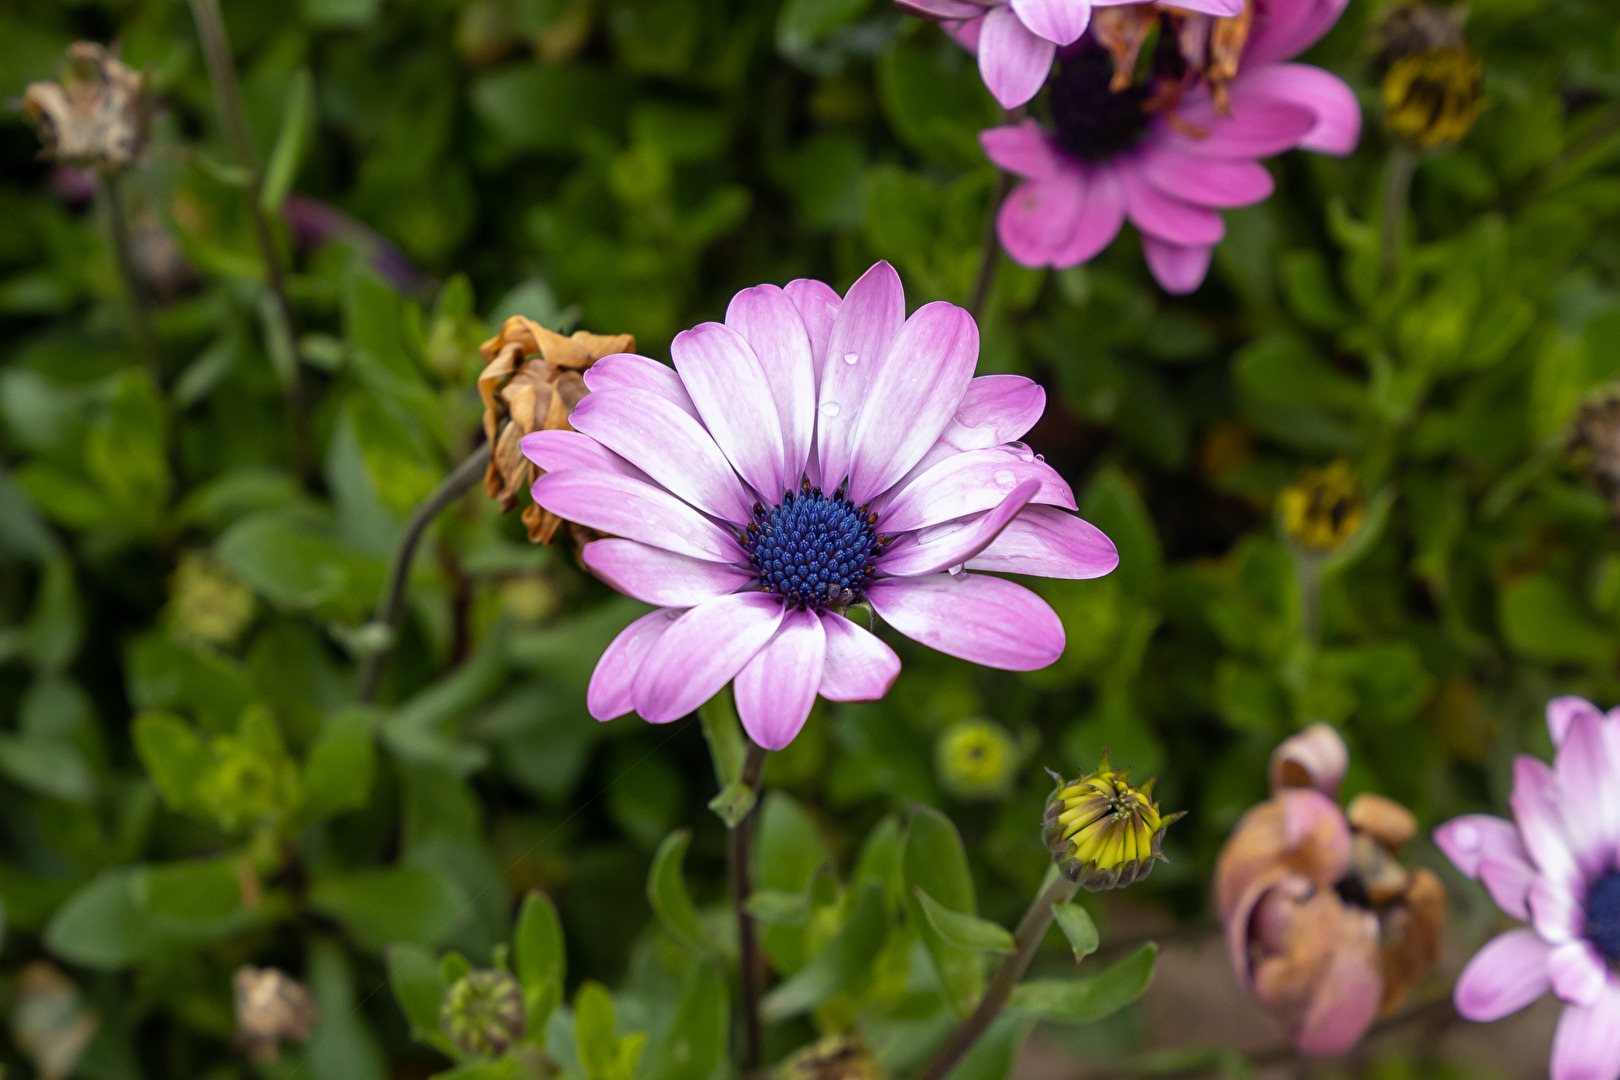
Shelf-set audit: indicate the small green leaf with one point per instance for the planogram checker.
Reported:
(292, 142)
(935, 859)
(965, 931)
(727, 749)
(1077, 926)
(100, 926)
(542, 962)
(193, 890)
(604, 1055)
(776, 907)
(453, 967)
(339, 769)
(1083, 1000)
(47, 766)
(666, 891)
(733, 803)
(418, 987)
(696, 1042)
(399, 903)
(174, 756)
(846, 957)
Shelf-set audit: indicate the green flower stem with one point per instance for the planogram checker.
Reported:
(110, 195)
(216, 47)
(1031, 931)
(1397, 193)
(748, 956)
(990, 245)
(392, 604)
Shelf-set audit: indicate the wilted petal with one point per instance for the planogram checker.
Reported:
(1348, 991)
(983, 619)
(1316, 757)
(1503, 977)
(776, 689)
(859, 666)
(701, 652)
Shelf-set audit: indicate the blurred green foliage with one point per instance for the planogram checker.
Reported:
(187, 784)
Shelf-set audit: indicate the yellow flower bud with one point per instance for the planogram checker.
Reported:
(1323, 508)
(1104, 833)
(1431, 98)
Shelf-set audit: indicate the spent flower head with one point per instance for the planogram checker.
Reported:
(271, 1008)
(97, 116)
(483, 1012)
(1103, 832)
(1432, 79)
(1323, 508)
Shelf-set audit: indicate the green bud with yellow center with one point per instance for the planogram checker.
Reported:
(483, 1013)
(976, 759)
(1102, 832)
(1323, 508)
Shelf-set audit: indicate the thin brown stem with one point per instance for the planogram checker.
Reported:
(989, 247)
(750, 972)
(392, 603)
(216, 47)
(1031, 931)
(109, 193)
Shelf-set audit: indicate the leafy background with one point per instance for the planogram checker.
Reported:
(181, 618)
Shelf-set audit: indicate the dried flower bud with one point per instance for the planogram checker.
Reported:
(1315, 758)
(49, 1021)
(483, 1012)
(1104, 833)
(271, 1008)
(532, 383)
(1323, 508)
(976, 759)
(97, 116)
(1597, 435)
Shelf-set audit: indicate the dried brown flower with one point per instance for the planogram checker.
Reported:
(532, 381)
(271, 1008)
(97, 116)
(49, 1021)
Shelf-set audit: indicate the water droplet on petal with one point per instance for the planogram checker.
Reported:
(956, 571)
(851, 358)
(829, 408)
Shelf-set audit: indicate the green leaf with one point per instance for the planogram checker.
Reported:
(847, 957)
(292, 142)
(339, 769)
(549, 106)
(453, 967)
(100, 927)
(197, 890)
(696, 1043)
(174, 756)
(126, 450)
(666, 891)
(414, 976)
(1083, 1000)
(1540, 618)
(47, 766)
(401, 903)
(1077, 926)
(788, 850)
(293, 566)
(604, 1055)
(727, 748)
(403, 467)
(540, 958)
(56, 625)
(774, 907)
(964, 931)
(936, 861)
(734, 803)
(341, 1044)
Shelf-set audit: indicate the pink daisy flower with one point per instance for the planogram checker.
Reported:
(1556, 866)
(1168, 156)
(809, 454)
(1016, 40)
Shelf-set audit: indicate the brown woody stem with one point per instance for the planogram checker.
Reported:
(738, 843)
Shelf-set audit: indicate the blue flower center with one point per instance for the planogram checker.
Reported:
(1092, 121)
(1603, 915)
(814, 551)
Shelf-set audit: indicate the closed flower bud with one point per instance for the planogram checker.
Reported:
(976, 759)
(1431, 77)
(1323, 508)
(1102, 832)
(483, 1013)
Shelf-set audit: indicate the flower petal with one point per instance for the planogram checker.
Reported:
(1025, 150)
(1058, 21)
(624, 507)
(1314, 758)
(995, 409)
(1588, 794)
(768, 320)
(1345, 1000)
(931, 550)
(1287, 28)
(702, 651)
(628, 371)
(776, 689)
(1044, 541)
(940, 9)
(1214, 182)
(655, 576)
(1503, 977)
(1179, 269)
(1555, 910)
(1586, 1045)
(984, 619)
(869, 319)
(609, 695)
(1338, 114)
(818, 307)
(1258, 126)
(913, 395)
(970, 483)
(562, 449)
(1509, 882)
(1577, 972)
(1038, 218)
(668, 445)
(1561, 714)
(1102, 212)
(734, 399)
(1013, 61)
(1469, 839)
(860, 667)
(1168, 218)
(1541, 826)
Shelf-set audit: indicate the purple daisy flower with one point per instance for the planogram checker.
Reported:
(1556, 865)
(1016, 40)
(1166, 155)
(809, 454)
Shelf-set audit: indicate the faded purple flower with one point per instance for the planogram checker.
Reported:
(1556, 866)
(809, 454)
(1016, 40)
(1168, 154)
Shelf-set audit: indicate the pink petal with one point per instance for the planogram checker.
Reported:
(1013, 61)
(1044, 541)
(1509, 881)
(955, 542)
(859, 666)
(1258, 126)
(818, 307)
(1325, 95)
(1039, 217)
(1577, 972)
(1471, 838)
(1179, 270)
(1215, 182)
(1541, 827)
(1347, 995)
(913, 395)
(970, 483)
(620, 506)
(1058, 21)
(869, 319)
(609, 695)
(995, 409)
(1588, 793)
(1503, 977)
(940, 9)
(770, 323)
(1024, 150)
(554, 450)
(702, 651)
(1225, 8)
(1586, 1045)
(966, 33)
(1101, 214)
(987, 620)
(1168, 218)
(1556, 911)
(668, 445)
(1318, 754)
(1310, 817)
(1561, 714)
(1285, 28)
(734, 398)
(655, 576)
(776, 689)
(628, 371)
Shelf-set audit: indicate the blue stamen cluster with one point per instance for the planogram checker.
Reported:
(1603, 915)
(813, 550)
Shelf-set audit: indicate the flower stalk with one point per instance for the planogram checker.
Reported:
(1397, 192)
(738, 856)
(110, 197)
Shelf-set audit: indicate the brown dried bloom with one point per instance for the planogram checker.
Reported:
(49, 1021)
(835, 1057)
(532, 381)
(1597, 434)
(271, 1007)
(97, 116)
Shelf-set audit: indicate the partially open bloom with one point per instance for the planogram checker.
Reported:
(1323, 508)
(532, 383)
(1326, 928)
(810, 455)
(1555, 867)
(1016, 40)
(483, 1012)
(1102, 832)
(97, 116)
(271, 1008)
(1169, 152)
